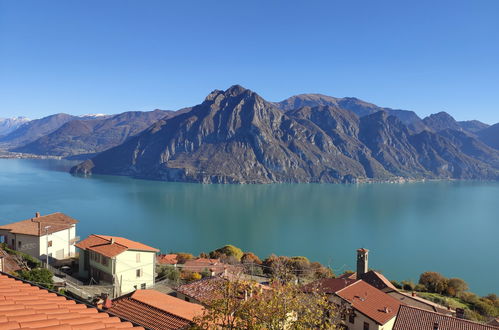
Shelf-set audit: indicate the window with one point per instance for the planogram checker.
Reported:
(351, 318)
(143, 286)
(137, 257)
(104, 260)
(187, 299)
(49, 243)
(138, 272)
(366, 326)
(19, 244)
(13, 243)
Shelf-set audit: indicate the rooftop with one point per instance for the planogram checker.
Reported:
(378, 280)
(167, 259)
(111, 246)
(25, 306)
(156, 310)
(370, 301)
(202, 264)
(411, 318)
(328, 285)
(41, 224)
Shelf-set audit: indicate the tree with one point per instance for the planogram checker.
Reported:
(183, 257)
(434, 282)
(169, 272)
(456, 286)
(248, 305)
(40, 276)
(227, 251)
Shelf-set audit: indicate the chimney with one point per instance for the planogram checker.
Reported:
(1, 264)
(413, 293)
(112, 240)
(37, 214)
(362, 262)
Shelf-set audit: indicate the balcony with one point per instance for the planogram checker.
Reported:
(74, 240)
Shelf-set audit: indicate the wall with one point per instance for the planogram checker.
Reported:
(127, 265)
(61, 247)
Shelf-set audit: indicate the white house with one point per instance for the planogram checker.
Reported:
(52, 235)
(125, 264)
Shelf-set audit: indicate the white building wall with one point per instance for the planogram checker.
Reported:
(62, 245)
(127, 265)
(36, 246)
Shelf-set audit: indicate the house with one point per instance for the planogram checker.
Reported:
(52, 236)
(212, 266)
(328, 285)
(366, 308)
(26, 306)
(202, 291)
(415, 301)
(167, 259)
(412, 318)
(125, 264)
(155, 310)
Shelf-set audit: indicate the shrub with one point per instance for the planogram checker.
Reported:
(420, 287)
(169, 272)
(408, 285)
(434, 282)
(40, 276)
(396, 284)
(229, 251)
(455, 286)
(183, 257)
(191, 276)
(250, 257)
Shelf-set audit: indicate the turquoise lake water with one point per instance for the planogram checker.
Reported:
(449, 227)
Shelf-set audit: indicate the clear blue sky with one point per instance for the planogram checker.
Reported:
(110, 56)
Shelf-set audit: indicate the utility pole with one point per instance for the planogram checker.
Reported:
(47, 245)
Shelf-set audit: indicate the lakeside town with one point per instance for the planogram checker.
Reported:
(51, 278)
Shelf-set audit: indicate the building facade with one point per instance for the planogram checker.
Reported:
(51, 236)
(117, 261)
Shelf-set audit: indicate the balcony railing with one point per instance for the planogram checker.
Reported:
(74, 240)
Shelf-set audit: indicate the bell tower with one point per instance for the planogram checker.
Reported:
(362, 262)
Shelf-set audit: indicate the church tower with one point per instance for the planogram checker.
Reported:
(362, 262)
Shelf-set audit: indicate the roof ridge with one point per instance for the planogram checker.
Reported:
(159, 309)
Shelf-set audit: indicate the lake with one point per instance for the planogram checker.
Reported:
(449, 227)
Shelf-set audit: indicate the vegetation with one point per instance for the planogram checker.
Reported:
(26, 259)
(247, 305)
(183, 257)
(295, 268)
(453, 293)
(40, 276)
(168, 272)
(227, 253)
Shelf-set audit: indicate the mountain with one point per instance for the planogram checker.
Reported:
(35, 129)
(92, 134)
(8, 125)
(235, 136)
(490, 136)
(441, 121)
(357, 106)
(472, 126)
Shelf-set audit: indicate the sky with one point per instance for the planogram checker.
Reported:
(112, 56)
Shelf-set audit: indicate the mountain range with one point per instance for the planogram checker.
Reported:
(8, 125)
(235, 136)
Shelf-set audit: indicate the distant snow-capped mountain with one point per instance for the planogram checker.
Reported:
(8, 125)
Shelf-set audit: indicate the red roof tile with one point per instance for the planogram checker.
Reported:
(328, 285)
(25, 306)
(156, 310)
(370, 301)
(378, 280)
(36, 226)
(411, 318)
(167, 259)
(111, 246)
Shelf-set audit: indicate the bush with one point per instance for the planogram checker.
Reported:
(408, 285)
(229, 251)
(420, 288)
(396, 284)
(183, 257)
(434, 282)
(455, 286)
(250, 258)
(191, 276)
(169, 272)
(40, 276)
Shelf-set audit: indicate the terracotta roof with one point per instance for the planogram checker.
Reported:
(204, 290)
(378, 280)
(156, 310)
(411, 318)
(370, 301)
(351, 276)
(328, 285)
(24, 306)
(419, 302)
(36, 226)
(111, 246)
(167, 259)
(202, 264)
